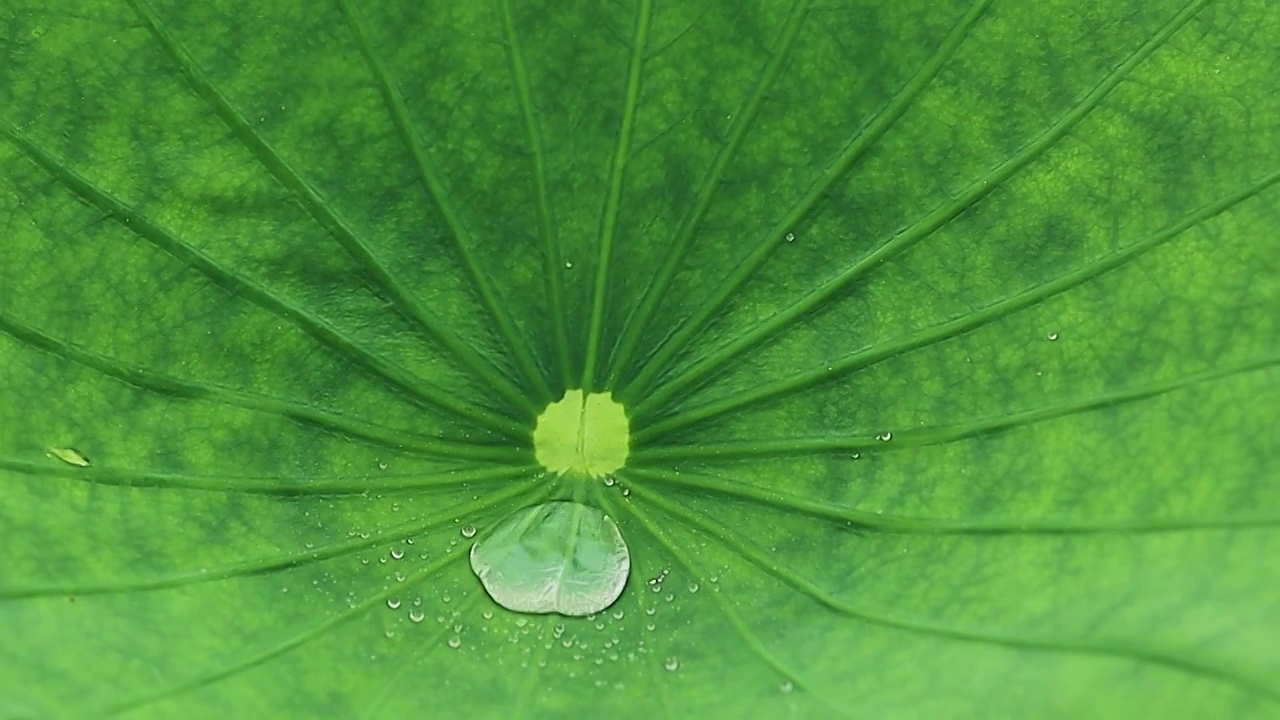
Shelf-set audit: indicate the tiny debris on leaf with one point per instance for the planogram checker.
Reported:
(70, 456)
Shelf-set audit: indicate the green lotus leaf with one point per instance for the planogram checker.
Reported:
(939, 342)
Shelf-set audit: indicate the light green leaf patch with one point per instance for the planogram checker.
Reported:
(587, 435)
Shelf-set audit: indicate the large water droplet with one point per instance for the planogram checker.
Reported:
(558, 557)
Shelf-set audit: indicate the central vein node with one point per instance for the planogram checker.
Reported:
(584, 434)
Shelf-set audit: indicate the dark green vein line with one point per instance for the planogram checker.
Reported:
(281, 561)
(904, 525)
(317, 207)
(356, 484)
(731, 614)
(828, 291)
(417, 651)
(659, 686)
(537, 659)
(416, 388)
(331, 623)
(462, 241)
(304, 414)
(546, 222)
(938, 435)
(613, 200)
(858, 145)
(692, 221)
(1100, 649)
(656, 682)
(953, 328)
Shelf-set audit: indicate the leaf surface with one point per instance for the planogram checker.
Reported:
(946, 334)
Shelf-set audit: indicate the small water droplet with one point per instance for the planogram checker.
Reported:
(650, 610)
(885, 436)
(791, 237)
(416, 616)
(455, 642)
(399, 576)
(382, 464)
(672, 663)
(669, 597)
(626, 492)
(487, 614)
(610, 481)
(469, 531)
(568, 265)
(396, 553)
(694, 587)
(389, 633)
(557, 630)
(787, 686)
(618, 614)
(393, 603)
(649, 626)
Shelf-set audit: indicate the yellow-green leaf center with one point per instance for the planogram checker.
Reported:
(584, 434)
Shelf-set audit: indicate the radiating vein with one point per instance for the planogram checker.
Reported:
(642, 482)
(277, 562)
(356, 484)
(417, 651)
(316, 206)
(537, 660)
(692, 221)
(1102, 649)
(828, 291)
(598, 496)
(656, 682)
(546, 222)
(837, 369)
(857, 146)
(613, 199)
(332, 622)
(937, 435)
(462, 241)
(727, 609)
(170, 386)
(417, 389)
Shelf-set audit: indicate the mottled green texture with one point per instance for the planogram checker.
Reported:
(947, 332)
